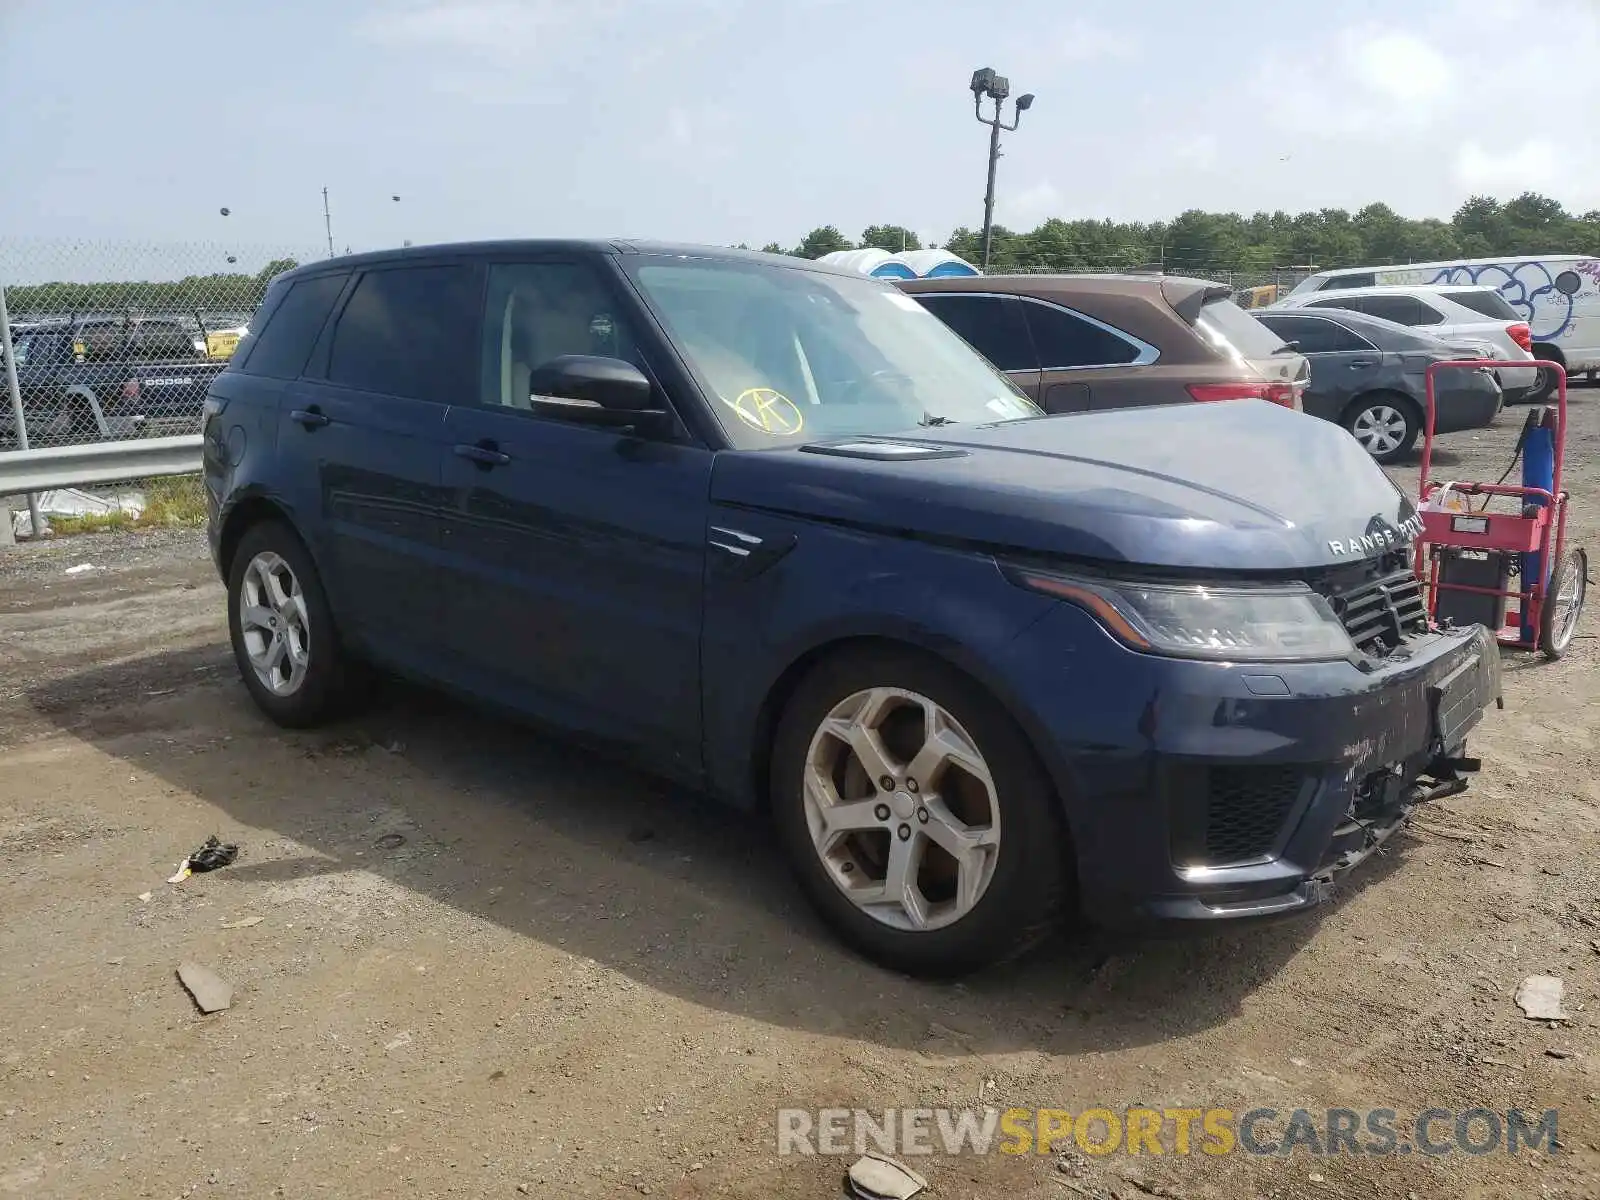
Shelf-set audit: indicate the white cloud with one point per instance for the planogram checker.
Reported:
(1029, 206)
(1399, 66)
(1200, 151)
(1083, 41)
(1532, 166)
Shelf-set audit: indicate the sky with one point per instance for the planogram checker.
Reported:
(727, 121)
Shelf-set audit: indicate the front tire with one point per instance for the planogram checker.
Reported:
(284, 641)
(916, 815)
(1386, 426)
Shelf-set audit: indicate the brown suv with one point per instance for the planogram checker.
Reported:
(1080, 342)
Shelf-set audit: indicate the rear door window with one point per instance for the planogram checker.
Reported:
(283, 345)
(161, 341)
(1064, 339)
(992, 325)
(409, 331)
(1402, 310)
(1315, 335)
(1485, 303)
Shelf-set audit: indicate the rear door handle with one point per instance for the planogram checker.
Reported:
(310, 418)
(484, 453)
(1362, 362)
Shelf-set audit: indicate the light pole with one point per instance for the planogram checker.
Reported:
(997, 88)
(327, 220)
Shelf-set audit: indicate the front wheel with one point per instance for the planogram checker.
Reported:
(1563, 603)
(1386, 426)
(916, 816)
(284, 640)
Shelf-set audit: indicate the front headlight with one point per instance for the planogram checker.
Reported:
(1256, 624)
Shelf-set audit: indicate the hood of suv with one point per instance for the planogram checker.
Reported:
(1236, 486)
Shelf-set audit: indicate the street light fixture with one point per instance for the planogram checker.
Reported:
(986, 83)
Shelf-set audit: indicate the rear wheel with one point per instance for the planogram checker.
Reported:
(1558, 620)
(1544, 379)
(916, 816)
(284, 640)
(1386, 425)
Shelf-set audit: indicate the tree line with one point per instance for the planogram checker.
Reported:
(223, 291)
(1199, 242)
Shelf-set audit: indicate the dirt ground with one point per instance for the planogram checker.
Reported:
(468, 961)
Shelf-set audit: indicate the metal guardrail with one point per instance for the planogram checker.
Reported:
(98, 462)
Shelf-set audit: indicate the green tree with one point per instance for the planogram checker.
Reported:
(893, 238)
(824, 240)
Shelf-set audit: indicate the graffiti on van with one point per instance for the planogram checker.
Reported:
(1524, 283)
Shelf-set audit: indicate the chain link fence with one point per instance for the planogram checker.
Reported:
(116, 340)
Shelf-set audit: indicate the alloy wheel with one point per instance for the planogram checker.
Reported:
(902, 809)
(274, 624)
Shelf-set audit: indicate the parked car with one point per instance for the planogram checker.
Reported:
(1454, 314)
(1556, 295)
(776, 532)
(1078, 343)
(1369, 375)
(83, 379)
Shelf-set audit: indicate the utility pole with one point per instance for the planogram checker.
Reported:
(985, 83)
(327, 221)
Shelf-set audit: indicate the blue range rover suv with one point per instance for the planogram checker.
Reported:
(775, 531)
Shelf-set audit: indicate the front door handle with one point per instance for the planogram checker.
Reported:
(310, 418)
(485, 454)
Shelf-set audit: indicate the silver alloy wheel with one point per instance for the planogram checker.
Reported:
(902, 809)
(1569, 600)
(274, 624)
(1381, 429)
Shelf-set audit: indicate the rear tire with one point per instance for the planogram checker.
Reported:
(284, 640)
(880, 864)
(1558, 620)
(1544, 380)
(1386, 425)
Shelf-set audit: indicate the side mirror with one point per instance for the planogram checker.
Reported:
(616, 386)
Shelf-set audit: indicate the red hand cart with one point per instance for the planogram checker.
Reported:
(1467, 557)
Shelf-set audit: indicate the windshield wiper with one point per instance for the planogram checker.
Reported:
(1288, 348)
(928, 419)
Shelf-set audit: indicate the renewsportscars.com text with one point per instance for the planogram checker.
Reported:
(1180, 1131)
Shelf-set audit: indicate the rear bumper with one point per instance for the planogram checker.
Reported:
(1460, 409)
(1250, 791)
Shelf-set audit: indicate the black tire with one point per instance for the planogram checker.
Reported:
(331, 680)
(1554, 639)
(1031, 878)
(1544, 380)
(1372, 410)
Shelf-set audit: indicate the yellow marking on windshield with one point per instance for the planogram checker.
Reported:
(769, 411)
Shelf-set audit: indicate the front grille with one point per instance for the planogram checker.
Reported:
(1379, 608)
(1246, 808)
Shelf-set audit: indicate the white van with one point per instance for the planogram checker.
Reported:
(1558, 295)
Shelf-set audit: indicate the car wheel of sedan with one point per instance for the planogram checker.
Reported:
(1386, 426)
(282, 630)
(916, 815)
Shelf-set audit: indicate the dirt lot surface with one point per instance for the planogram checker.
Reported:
(468, 961)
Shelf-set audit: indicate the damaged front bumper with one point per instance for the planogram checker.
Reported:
(1267, 786)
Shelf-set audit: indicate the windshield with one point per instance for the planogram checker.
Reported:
(791, 355)
(19, 346)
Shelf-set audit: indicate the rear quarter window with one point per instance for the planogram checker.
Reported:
(1224, 322)
(282, 346)
(1488, 304)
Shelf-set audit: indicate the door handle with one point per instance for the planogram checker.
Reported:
(484, 453)
(1361, 362)
(310, 418)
